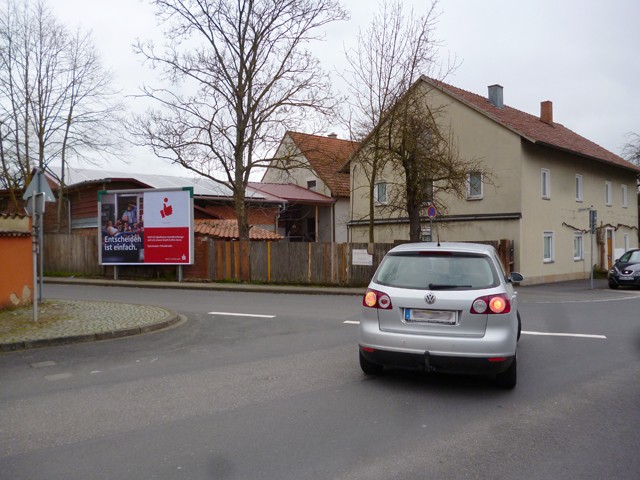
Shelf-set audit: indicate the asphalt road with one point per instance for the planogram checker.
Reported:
(268, 387)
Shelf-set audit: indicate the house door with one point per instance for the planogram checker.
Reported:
(609, 248)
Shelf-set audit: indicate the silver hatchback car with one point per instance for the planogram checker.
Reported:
(446, 307)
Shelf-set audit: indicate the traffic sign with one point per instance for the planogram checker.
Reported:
(37, 185)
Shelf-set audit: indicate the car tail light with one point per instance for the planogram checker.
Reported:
(375, 299)
(491, 304)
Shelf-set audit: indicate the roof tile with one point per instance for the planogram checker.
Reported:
(228, 230)
(534, 129)
(326, 156)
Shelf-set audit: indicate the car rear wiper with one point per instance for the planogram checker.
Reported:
(444, 286)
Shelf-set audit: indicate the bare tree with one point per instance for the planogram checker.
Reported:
(57, 100)
(423, 154)
(631, 150)
(92, 113)
(390, 56)
(240, 77)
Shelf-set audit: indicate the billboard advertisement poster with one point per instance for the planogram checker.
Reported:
(151, 226)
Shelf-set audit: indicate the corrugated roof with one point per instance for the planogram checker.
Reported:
(532, 128)
(327, 155)
(228, 230)
(202, 186)
(291, 192)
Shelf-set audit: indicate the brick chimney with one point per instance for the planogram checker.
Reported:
(546, 112)
(495, 96)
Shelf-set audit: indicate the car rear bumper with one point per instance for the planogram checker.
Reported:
(437, 363)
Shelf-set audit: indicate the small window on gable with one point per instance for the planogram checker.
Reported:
(545, 180)
(608, 194)
(474, 186)
(579, 194)
(311, 185)
(625, 198)
(380, 193)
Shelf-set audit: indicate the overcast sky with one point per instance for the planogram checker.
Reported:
(583, 55)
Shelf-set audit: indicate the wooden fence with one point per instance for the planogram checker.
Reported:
(264, 262)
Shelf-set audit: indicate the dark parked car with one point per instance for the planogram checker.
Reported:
(626, 270)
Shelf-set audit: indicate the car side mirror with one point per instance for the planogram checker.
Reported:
(516, 277)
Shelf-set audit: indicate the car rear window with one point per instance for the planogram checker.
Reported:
(437, 271)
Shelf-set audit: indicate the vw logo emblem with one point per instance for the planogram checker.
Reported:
(430, 298)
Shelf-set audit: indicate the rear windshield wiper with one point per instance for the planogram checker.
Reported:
(444, 286)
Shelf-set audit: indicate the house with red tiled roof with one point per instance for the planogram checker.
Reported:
(538, 182)
(314, 162)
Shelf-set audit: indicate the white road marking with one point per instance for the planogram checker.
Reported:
(44, 364)
(242, 315)
(577, 335)
(352, 322)
(59, 376)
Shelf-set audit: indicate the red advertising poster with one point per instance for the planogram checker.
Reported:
(146, 227)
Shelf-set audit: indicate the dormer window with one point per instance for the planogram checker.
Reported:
(311, 185)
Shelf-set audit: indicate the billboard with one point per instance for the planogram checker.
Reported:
(150, 227)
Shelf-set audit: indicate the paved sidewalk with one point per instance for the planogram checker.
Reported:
(69, 321)
(72, 321)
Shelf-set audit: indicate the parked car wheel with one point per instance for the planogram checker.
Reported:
(509, 377)
(519, 326)
(368, 367)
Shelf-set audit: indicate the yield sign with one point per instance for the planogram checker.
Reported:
(37, 185)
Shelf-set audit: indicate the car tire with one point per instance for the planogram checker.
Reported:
(368, 367)
(509, 377)
(519, 326)
(613, 286)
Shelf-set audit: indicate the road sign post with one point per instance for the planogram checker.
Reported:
(37, 193)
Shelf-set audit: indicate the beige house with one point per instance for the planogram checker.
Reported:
(314, 162)
(544, 180)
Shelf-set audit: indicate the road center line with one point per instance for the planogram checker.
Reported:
(352, 322)
(577, 335)
(242, 315)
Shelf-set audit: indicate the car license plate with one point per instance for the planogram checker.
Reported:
(626, 278)
(441, 317)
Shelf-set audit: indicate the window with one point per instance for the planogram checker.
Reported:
(474, 186)
(578, 246)
(607, 194)
(545, 177)
(578, 188)
(415, 270)
(380, 193)
(311, 185)
(624, 197)
(548, 247)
